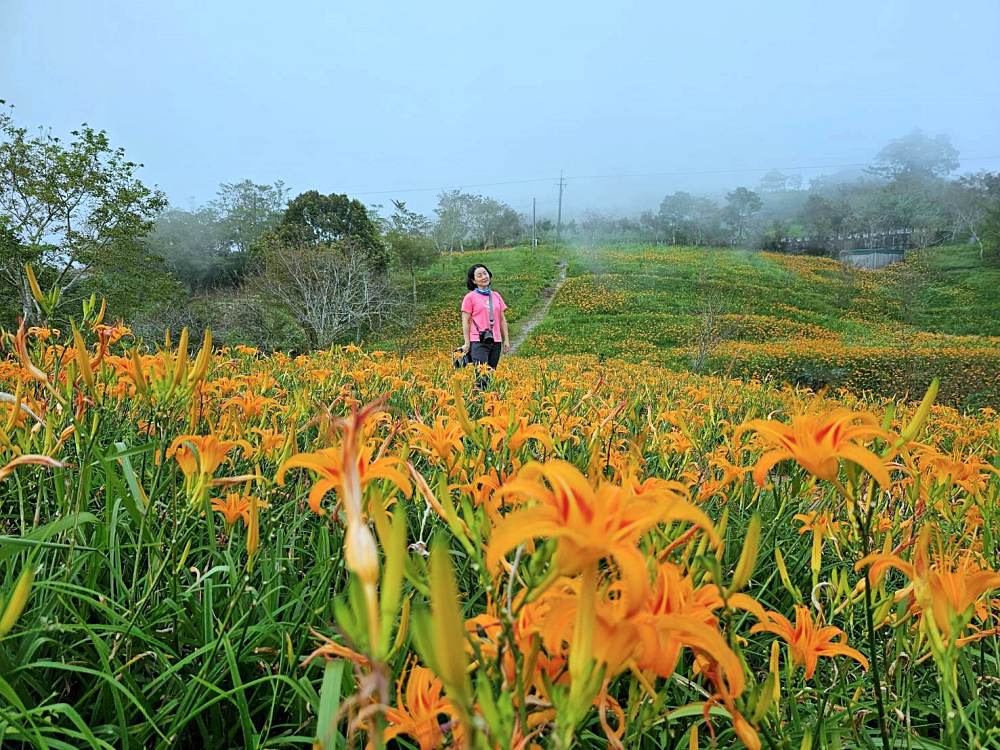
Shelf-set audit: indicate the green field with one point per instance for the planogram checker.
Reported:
(760, 315)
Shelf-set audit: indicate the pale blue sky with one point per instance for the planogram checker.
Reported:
(368, 97)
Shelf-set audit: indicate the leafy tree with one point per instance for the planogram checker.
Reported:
(988, 225)
(823, 217)
(454, 220)
(916, 155)
(13, 252)
(194, 245)
(143, 292)
(247, 211)
(494, 223)
(316, 220)
(774, 182)
(405, 221)
(211, 246)
(688, 219)
(72, 207)
(741, 205)
(411, 248)
(465, 218)
(411, 252)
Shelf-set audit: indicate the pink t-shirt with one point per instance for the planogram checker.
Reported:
(478, 306)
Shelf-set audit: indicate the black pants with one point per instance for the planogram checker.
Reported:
(484, 353)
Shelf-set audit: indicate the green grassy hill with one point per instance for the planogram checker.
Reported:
(749, 314)
(434, 323)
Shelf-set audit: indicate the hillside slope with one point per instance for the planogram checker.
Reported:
(434, 324)
(790, 318)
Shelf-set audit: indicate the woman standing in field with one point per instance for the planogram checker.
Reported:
(484, 325)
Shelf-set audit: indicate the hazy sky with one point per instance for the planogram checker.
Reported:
(378, 99)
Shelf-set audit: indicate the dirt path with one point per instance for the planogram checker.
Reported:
(548, 293)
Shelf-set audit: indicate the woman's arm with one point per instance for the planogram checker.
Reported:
(466, 326)
(504, 332)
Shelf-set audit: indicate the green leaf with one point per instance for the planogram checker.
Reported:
(329, 704)
(10, 545)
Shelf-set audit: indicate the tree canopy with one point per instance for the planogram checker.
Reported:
(70, 208)
(916, 155)
(314, 219)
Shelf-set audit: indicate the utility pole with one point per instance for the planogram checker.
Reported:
(534, 242)
(562, 183)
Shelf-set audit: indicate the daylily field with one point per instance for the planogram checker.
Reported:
(220, 548)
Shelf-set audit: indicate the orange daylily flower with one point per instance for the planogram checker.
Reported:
(348, 468)
(674, 598)
(589, 523)
(818, 442)
(417, 713)
(200, 454)
(624, 637)
(520, 432)
(946, 590)
(615, 640)
(731, 473)
(443, 439)
(234, 507)
(271, 441)
(484, 491)
(250, 405)
(820, 523)
(112, 333)
(808, 642)
(328, 464)
(970, 473)
(43, 334)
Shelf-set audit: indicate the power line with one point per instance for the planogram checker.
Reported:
(675, 173)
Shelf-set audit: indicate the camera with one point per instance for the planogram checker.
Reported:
(486, 337)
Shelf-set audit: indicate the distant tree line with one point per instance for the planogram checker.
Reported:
(257, 265)
(907, 186)
(278, 272)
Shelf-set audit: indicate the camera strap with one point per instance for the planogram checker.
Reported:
(490, 303)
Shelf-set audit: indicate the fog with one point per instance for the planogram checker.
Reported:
(629, 100)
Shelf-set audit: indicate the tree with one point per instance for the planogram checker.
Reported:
(987, 229)
(329, 289)
(967, 202)
(916, 155)
(13, 253)
(822, 217)
(194, 246)
(405, 221)
(493, 222)
(453, 220)
(409, 244)
(72, 208)
(688, 218)
(322, 221)
(741, 205)
(463, 218)
(411, 253)
(143, 292)
(247, 211)
(773, 182)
